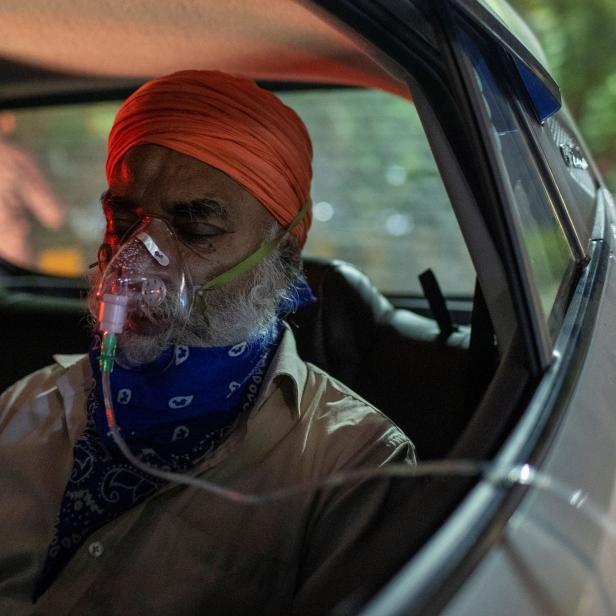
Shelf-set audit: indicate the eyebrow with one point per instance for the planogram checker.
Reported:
(110, 201)
(203, 207)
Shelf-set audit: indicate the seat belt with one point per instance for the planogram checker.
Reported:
(436, 300)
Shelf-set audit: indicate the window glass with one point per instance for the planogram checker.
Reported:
(568, 163)
(378, 199)
(548, 251)
(52, 163)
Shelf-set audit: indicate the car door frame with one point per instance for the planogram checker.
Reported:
(440, 568)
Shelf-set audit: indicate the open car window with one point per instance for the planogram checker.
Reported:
(378, 199)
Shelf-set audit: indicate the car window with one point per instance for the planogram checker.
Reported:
(378, 198)
(53, 161)
(547, 249)
(379, 201)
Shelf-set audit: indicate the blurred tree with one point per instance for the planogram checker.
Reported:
(580, 41)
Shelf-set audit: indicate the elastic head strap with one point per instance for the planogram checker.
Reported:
(252, 259)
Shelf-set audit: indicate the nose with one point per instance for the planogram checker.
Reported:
(152, 247)
(146, 268)
(149, 247)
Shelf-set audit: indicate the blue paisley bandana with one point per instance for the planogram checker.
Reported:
(159, 402)
(172, 413)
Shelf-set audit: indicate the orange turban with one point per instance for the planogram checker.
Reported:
(229, 123)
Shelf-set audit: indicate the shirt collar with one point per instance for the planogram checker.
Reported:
(286, 369)
(73, 384)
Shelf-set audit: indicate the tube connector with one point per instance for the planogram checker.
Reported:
(112, 313)
(108, 349)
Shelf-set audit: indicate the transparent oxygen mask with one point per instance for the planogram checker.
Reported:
(144, 281)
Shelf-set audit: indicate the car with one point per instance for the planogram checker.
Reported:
(443, 151)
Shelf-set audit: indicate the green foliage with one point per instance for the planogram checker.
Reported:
(579, 39)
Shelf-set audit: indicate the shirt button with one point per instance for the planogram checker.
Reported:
(96, 549)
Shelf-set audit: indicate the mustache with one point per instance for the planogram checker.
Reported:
(232, 313)
(172, 308)
(175, 306)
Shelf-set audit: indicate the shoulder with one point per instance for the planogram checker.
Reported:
(354, 431)
(31, 385)
(42, 391)
(336, 425)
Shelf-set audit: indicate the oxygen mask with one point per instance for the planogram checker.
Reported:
(145, 283)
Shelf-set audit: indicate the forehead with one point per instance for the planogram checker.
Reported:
(156, 177)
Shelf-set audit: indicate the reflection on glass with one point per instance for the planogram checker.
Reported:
(67, 148)
(548, 251)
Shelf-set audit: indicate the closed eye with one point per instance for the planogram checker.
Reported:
(200, 220)
(195, 231)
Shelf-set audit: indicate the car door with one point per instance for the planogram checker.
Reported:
(535, 535)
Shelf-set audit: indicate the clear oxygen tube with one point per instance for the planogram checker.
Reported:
(496, 474)
(493, 472)
(147, 268)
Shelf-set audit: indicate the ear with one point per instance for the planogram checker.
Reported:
(291, 251)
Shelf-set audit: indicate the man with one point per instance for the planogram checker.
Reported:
(208, 204)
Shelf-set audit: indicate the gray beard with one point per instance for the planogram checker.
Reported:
(235, 312)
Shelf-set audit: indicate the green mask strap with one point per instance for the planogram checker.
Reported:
(249, 262)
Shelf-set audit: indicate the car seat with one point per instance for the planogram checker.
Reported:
(394, 358)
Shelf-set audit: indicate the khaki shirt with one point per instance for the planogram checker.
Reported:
(183, 550)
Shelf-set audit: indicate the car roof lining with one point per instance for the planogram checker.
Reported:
(60, 45)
